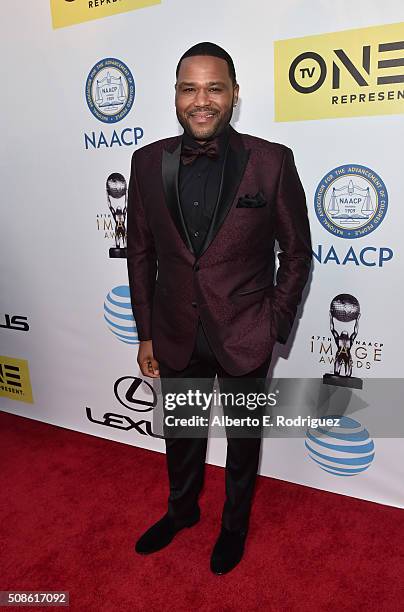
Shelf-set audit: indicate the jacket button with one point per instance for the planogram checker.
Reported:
(196, 267)
(194, 304)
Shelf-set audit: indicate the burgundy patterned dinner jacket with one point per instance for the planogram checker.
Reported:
(230, 284)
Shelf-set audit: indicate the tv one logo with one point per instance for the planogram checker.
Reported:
(345, 74)
(70, 12)
(15, 382)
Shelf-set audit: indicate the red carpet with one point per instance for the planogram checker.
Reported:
(73, 506)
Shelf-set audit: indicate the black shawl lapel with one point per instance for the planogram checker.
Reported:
(170, 165)
(235, 162)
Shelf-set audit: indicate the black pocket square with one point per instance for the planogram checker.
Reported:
(248, 201)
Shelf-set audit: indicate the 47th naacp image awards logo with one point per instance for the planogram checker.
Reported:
(351, 201)
(113, 223)
(118, 315)
(341, 348)
(346, 450)
(110, 90)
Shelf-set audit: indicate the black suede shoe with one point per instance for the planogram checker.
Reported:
(160, 534)
(228, 551)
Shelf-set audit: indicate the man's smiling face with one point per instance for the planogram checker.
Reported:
(204, 96)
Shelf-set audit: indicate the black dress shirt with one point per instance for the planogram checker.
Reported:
(199, 184)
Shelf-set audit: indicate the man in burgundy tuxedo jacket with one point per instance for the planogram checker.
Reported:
(204, 211)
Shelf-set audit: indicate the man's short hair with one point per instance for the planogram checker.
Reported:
(208, 48)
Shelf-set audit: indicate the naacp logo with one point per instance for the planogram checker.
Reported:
(351, 201)
(110, 90)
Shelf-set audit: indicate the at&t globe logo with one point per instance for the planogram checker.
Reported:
(351, 201)
(118, 315)
(345, 450)
(110, 90)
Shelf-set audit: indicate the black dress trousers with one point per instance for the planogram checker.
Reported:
(186, 455)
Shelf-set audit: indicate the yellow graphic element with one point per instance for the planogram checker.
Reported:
(70, 12)
(343, 74)
(14, 379)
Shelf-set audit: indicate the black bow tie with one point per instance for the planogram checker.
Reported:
(210, 149)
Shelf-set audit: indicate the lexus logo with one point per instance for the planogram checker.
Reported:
(127, 390)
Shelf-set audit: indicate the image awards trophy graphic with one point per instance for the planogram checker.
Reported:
(344, 323)
(117, 192)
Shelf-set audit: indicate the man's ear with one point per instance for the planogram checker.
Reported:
(235, 94)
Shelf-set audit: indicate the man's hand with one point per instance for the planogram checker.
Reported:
(147, 364)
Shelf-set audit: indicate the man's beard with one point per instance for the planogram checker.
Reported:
(208, 132)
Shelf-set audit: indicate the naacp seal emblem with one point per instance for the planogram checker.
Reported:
(110, 90)
(351, 201)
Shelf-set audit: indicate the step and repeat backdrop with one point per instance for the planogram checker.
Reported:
(87, 82)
